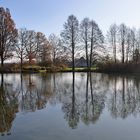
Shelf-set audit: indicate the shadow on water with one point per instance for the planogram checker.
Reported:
(82, 96)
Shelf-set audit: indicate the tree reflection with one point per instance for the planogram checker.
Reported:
(8, 107)
(34, 95)
(125, 100)
(85, 115)
(87, 101)
(71, 109)
(82, 96)
(94, 102)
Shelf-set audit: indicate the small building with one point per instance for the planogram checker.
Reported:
(81, 62)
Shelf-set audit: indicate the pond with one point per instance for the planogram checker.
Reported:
(69, 106)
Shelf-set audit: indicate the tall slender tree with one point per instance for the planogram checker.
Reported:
(122, 40)
(55, 44)
(133, 42)
(70, 35)
(138, 39)
(112, 38)
(41, 44)
(20, 48)
(32, 47)
(96, 40)
(44, 55)
(84, 30)
(128, 44)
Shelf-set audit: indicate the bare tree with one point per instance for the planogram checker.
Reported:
(138, 39)
(133, 42)
(32, 47)
(40, 40)
(20, 48)
(84, 30)
(8, 35)
(45, 53)
(112, 38)
(41, 46)
(56, 47)
(128, 44)
(96, 40)
(70, 35)
(63, 55)
(122, 39)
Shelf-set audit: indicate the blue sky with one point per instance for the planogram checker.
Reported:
(48, 16)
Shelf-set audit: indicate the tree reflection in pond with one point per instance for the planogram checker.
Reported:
(71, 108)
(87, 100)
(125, 100)
(94, 102)
(8, 106)
(82, 97)
(34, 94)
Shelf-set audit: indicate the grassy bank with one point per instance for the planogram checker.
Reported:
(104, 68)
(39, 69)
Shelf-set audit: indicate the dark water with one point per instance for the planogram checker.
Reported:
(66, 106)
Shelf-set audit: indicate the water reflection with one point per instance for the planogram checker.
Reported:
(34, 94)
(83, 97)
(94, 101)
(71, 108)
(8, 106)
(125, 99)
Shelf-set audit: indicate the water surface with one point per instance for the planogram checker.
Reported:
(67, 106)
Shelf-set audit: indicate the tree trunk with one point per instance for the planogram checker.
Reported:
(86, 47)
(91, 51)
(73, 62)
(30, 59)
(2, 62)
(73, 47)
(133, 51)
(21, 65)
(115, 49)
(54, 57)
(122, 51)
(127, 52)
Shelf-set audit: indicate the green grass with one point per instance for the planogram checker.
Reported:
(80, 69)
(32, 66)
(42, 71)
(39, 69)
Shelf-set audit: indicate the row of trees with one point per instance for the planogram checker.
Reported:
(125, 43)
(84, 39)
(24, 44)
